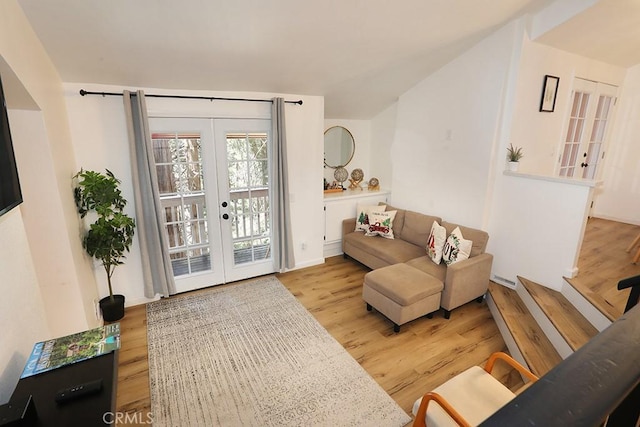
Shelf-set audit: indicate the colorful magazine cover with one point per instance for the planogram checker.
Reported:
(58, 352)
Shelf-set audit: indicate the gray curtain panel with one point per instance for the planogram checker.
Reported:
(156, 264)
(281, 212)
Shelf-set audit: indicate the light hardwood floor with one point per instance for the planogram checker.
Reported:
(603, 262)
(425, 353)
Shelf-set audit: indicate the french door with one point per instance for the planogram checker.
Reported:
(587, 129)
(214, 186)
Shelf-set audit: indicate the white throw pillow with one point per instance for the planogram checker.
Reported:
(435, 242)
(362, 215)
(456, 248)
(381, 224)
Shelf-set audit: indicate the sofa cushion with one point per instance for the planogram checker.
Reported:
(381, 224)
(424, 264)
(417, 227)
(435, 242)
(456, 248)
(478, 237)
(362, 215)
(398, 221)
(391, 251)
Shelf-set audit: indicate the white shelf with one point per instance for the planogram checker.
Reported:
(354, 194)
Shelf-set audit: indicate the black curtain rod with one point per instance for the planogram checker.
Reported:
(210, 98)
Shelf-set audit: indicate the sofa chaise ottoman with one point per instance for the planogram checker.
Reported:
(402, 293)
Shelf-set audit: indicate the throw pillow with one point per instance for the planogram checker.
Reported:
(381, 224)
(456, 248)
(435, 242)
(362, 215)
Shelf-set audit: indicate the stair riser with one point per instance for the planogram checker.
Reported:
(559, 343)
(592, 314)
(514, 351)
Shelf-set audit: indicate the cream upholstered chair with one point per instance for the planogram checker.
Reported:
(467, 399)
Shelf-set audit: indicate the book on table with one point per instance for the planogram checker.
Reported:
(62, 351)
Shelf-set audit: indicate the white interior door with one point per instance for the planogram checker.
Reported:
(587, 129)
(243, 149)
(215, 193)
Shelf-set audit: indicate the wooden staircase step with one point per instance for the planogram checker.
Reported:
(570, 323)
(609, 310)
(535, 347)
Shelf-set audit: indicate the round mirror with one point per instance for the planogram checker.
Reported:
(339, 147)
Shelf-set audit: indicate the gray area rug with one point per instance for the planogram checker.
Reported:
(250, 354)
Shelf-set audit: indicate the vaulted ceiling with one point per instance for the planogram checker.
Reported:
(360, 55)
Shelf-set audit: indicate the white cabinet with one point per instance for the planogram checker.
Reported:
(340, 206)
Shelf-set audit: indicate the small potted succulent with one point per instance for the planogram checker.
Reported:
(110, 235)
(514, 154)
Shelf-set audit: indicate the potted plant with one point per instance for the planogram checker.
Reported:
(110, 235)
(514, 154)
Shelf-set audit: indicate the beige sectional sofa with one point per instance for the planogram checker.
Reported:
(463, 281)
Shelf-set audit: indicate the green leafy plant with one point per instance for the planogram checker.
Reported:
(514, 154)
(111, 234)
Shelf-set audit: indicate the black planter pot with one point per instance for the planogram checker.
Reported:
(112, 309)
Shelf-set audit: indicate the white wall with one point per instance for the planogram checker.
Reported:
(100, 141)
(447, 129)
(536, 228)
(45, 292)
(619, 197)
(540, 134)
(449, 153)
(22, 313)
(383, 130)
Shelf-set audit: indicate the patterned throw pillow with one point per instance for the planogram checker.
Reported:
(380, 224)
(435, 242)
(456, 248)
(362, 215)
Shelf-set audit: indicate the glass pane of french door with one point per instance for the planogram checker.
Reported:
(188, 195)
(605, 103)
(248, 171)
(575, 130)
(178, 159)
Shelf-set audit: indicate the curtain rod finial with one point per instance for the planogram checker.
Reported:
(83, 92)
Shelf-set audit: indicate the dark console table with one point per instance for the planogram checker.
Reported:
(90, 410)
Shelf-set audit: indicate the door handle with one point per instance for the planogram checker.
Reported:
(584, 165)
(225, 216)
(224, 204)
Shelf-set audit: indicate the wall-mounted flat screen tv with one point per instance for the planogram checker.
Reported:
(10, 194)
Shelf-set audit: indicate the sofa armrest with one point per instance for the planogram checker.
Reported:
(348, 225)
(466, 280)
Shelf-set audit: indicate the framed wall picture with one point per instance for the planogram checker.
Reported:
(549, 93)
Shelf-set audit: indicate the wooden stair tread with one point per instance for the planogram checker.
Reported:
(602, 305)
(535, 347)
(570, 323)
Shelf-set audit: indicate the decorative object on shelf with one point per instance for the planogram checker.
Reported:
(356, 178)
(549, 93)
(339, 147)
(514, 154)
(112, 232)
(374, 184)
(341, 175)
(334, 187)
